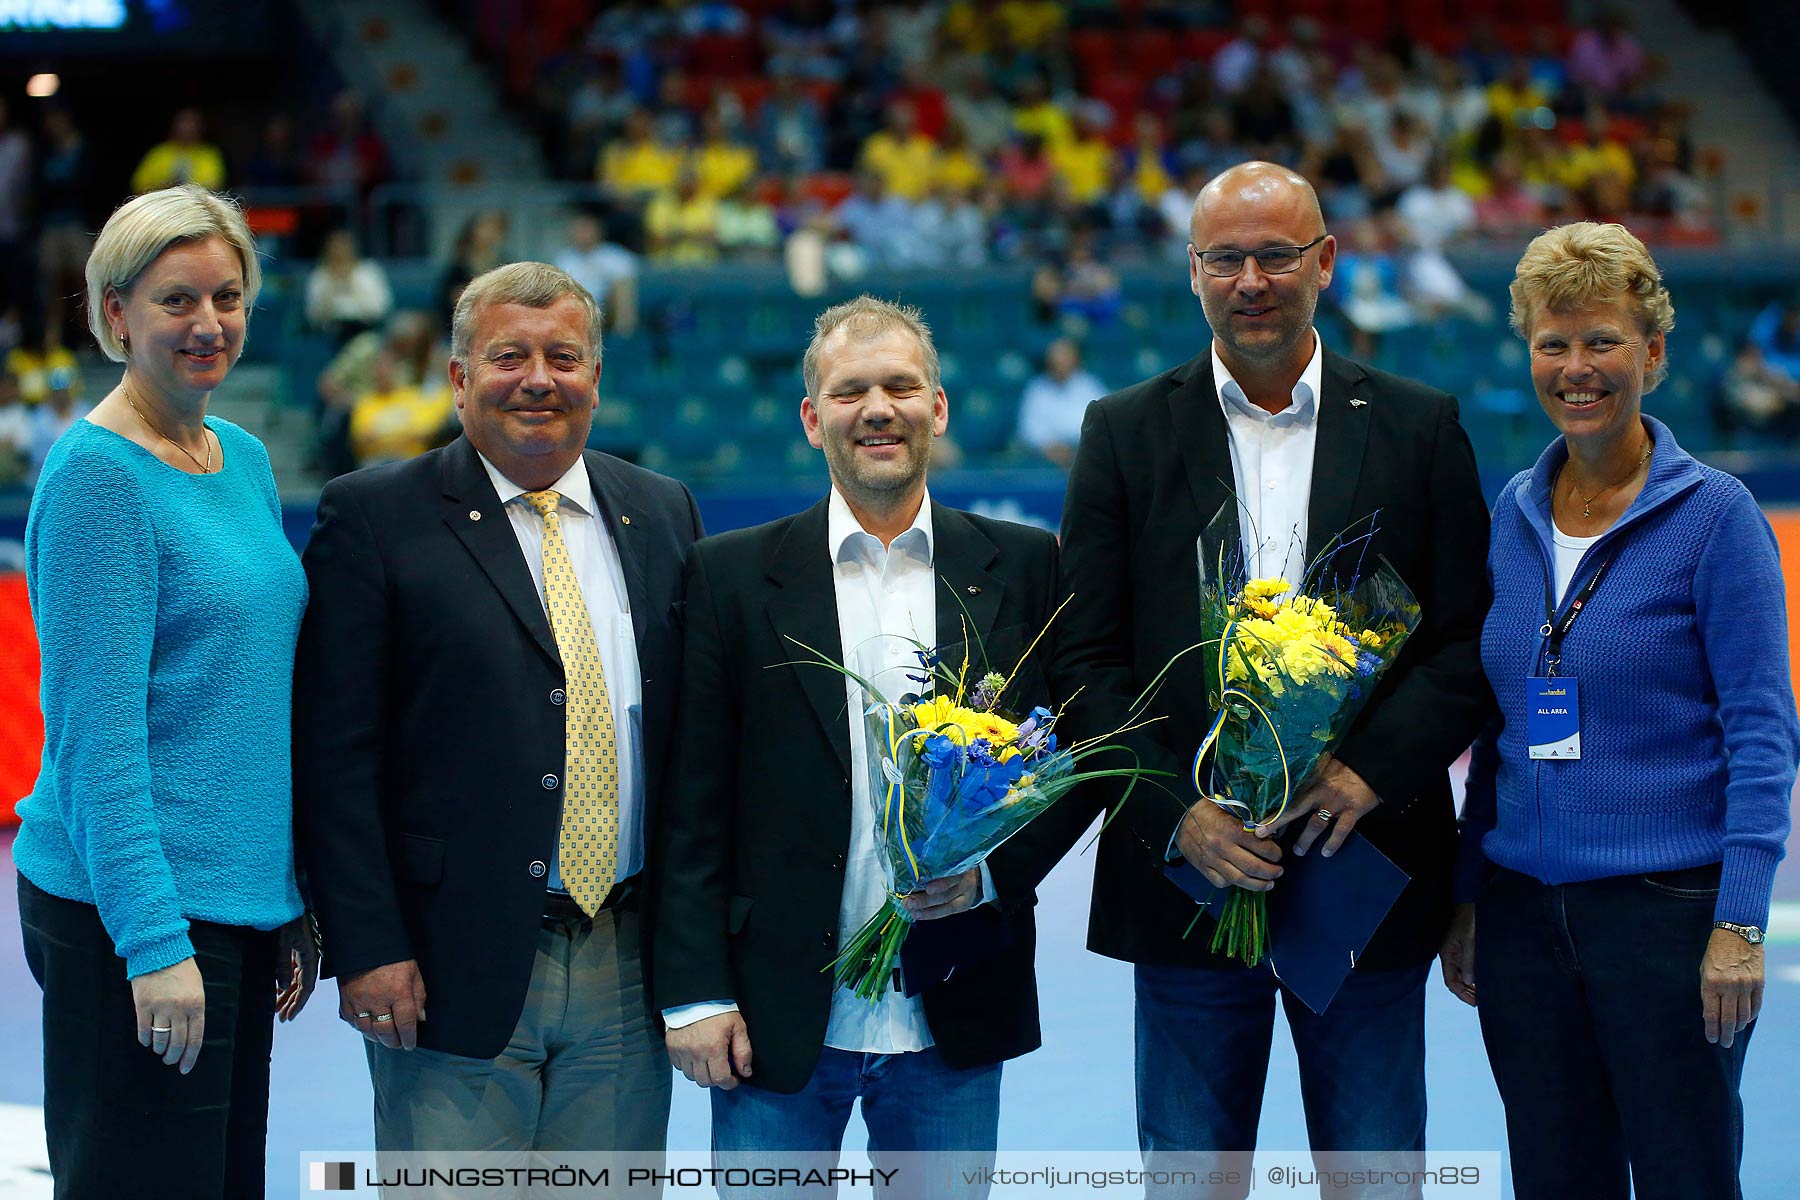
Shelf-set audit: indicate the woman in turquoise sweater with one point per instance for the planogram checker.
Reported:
(167, 603)
(1623, 823)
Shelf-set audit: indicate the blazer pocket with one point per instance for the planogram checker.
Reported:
(737, 911)
(420, 859)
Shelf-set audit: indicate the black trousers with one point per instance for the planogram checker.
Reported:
(1590, 1008)
(119, 1122)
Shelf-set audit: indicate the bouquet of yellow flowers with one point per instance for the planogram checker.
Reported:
(952, 775)
(1288, 669)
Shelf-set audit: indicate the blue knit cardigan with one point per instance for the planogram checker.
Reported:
(1689, 738)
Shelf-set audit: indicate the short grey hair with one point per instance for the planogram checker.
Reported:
(533, 284)
(868, 317)
(142, 228)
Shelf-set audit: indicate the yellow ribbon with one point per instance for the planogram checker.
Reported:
(1212, 738)
(893, 740)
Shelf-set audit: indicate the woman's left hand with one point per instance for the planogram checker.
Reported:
(297, 967)
(1731, 986)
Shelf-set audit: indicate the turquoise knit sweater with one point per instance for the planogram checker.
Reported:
(166, 606)
(1689, 739)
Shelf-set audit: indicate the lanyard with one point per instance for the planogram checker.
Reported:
(1555, 631)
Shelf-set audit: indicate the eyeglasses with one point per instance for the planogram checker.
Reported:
(1270, 260)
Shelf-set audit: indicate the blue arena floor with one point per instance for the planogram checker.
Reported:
(1074, 1094)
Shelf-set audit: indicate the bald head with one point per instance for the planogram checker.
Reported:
(1258, 191)
(1269, 258)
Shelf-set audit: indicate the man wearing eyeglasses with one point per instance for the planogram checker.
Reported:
(1300, 443)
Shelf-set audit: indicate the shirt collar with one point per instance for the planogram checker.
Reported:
(574, 487)
(1305, 405)
(843, 531)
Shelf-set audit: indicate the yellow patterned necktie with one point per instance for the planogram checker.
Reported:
(587, 849)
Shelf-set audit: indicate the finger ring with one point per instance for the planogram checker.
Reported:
(161, 1028)
(380, 1017)
(363, 1016)
(1324, 814)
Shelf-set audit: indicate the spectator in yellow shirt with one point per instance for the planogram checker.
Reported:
(1034, 25)
(184, 158)
(1038, 116)
(721, 165)
(957, 166)
(905, 159)
(1597, 154)
(397, 420)
(1516, 96)
(639, 164)
(684, 224)
(1083, 162)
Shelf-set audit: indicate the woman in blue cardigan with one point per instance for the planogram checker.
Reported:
(155, 852)
(1626, 813)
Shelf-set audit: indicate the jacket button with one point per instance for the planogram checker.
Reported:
(837, 861)
(549, 782)
(538, 869)
(829, 934)
(558, 696)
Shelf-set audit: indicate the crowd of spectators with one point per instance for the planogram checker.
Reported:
(925, 133)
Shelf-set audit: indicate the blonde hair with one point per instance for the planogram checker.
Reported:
(532, 284)
(142, 228)
(866, 318)
(1585, 263)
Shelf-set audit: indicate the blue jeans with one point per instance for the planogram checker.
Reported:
(1590, 1008)
(910, 1102)
(1203, 1038)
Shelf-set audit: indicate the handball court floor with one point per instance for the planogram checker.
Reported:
(1074, 1094)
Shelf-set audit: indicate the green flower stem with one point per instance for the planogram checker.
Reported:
(1242, 929)
(866, 964)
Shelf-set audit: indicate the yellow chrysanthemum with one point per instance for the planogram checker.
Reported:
(1259, 596)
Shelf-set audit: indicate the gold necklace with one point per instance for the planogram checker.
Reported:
(1587, 501)
(205, 467)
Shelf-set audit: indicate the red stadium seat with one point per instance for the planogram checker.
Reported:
(723, 54)
(1152, 53)
(1201, 45)
(829, 188)
(1366, 19)
(1097, 52)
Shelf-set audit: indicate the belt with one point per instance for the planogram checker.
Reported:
(560, 906)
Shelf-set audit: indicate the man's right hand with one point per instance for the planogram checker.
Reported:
(709, 1051)
(395, 994)
(1220, 848)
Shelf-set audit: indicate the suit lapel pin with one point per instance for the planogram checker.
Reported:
(474, 514)
(626, 520)
(973, 590)
(1357, 403)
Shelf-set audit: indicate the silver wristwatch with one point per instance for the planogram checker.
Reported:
(1749, 933)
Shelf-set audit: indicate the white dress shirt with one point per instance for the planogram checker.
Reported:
(886, 602)
(1272, 464)
(595, 557)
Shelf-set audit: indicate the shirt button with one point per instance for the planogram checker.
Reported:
(538, 869)
(558, 696)
(549, 783)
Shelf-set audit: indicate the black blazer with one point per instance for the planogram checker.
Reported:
(1152, 470)
(427, 740)
(755, 827)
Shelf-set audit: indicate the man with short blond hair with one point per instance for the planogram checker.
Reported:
(768, 856)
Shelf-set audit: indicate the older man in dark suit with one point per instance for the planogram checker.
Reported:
(767, 860)
(484, 694)
(1301, 443)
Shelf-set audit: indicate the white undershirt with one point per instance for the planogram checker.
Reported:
(1569, 550)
